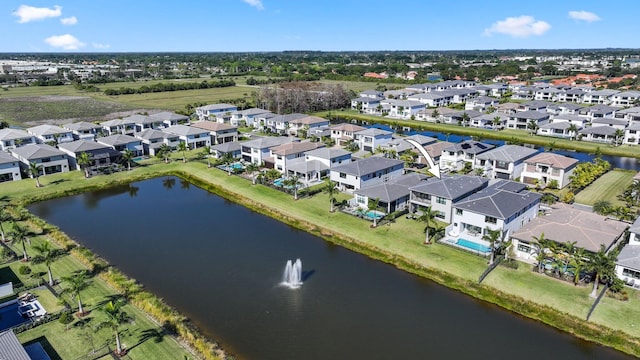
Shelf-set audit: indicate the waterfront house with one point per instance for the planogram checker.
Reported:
(316, 163)
(49, 159)
(521, 119)
(51, 134)
(122, 143)
(632, 134)
(125, 126)
(9, 167)
(220, 133)
(11, 349)
(153, 139)
(441, 194)
(454, 157)
(258, 151)
(564, 223)
(343, 133)
(367, 105)
(603, 134)
(283, 154)
(543, 168)
(234, 149)
(488, 121)
(504, 162)
(83, 130)
(628, 263)
(370, 139)
(306, 124)
(397, 146)
(403, 109)
(100, 155)
(481, 103)
(503, 205)
(392, 195)
(13, 138)
(214, 111)
(194, 137)
(370, 171)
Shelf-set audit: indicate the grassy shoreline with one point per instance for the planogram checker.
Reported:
(398, 245)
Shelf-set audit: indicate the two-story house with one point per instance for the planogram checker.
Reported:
(504, 162)
(153, 139)
(83, 130)
(9, 167)
(220, 133)
(100, 155)
(521, 119)
(359, 174)
(258, 150)
(49, 159)
(343, 133)
(51, 134)
(194, 137)
(370, 139)
(544, 168)
(13, 138)
(316, 163)
(440, 194)
(306, 125)
(125, 126)
(454, 157)
(214, 111)
(123, 143)
(282, 155)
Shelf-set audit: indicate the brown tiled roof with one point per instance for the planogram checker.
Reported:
(294, 147)
(554, 160)
(212, 126)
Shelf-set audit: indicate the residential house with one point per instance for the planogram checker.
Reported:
(125, 126)
(547, 94)
(360, 174)
(345, 132)
(153, 139)
(143, 122)
(122, 143)
(306, 125)
(599, 96)
(504, 162)
(625, 98)
(83, 130)
(521, 119)
(169, 119)
(628, 263)
(13, 138)
(369, 139)
(367, 105)
(432, 99)
(504, 205)
(281, 155)
(535, 105)
(435, 152)
(214, 111)
(100, 155)
(507, 108)
(392, 195)
(573, 95)
(234, 149)
(598, 111)
(397, 146)
(403, 109)
(604, 134)
(330, 157)
(9, 167)
(543, 168)
(50, 134)
(371, 94)
(248, 117)
(618, 124)
(316, 164)
(257, 151)
(632, 134)
(481, 103)
(11, 349)
(564, 223)
(441, 194)
(49, 159)
(564, 109)
(455, 157)
(220, 133)
(192, 136)
(489, 121)
(280, 123)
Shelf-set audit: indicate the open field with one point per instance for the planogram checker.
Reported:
(607, 188)
(401, 243)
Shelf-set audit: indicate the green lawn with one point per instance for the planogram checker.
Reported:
(607, 187)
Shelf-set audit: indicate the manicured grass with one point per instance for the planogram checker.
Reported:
(607, 187)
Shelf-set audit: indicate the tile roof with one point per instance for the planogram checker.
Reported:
(213, 126)
(367, 166)
(470, 147)
(295, 147)
(10, 347)
(451, 187)
(115, 140)
(497, 202)
(184, 130)
(36, 151)
(47, 129)
(508, 153)
(554, 160)
(82, 145)
(328, 153)
(11, 134)
(6, 158)
(82, 126)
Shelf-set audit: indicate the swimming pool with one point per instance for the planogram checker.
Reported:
(278, 182)
(372, 214)
(472, 245)
(10, 317)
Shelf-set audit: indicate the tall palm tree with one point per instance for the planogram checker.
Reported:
(127, 156)
(252, 168)
(34, 171)
(115, 317)
(492, 236)
(182, 147)
(541, 243)
(578, 263)
(533, 126)
(602, 266)
(497, 121)
(427, 217)
(228, 159)
(331, 189)
(372, 206)
(19, 234)
(4, 217)
(293, 181)
(206, 154)
(84, 160)
(573, 131)
(164, 151)
(465, 119)
(77, 282)
(47, 255)
(618, 136)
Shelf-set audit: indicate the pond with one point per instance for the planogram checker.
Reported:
(221, 265)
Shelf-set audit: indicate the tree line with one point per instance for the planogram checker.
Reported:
(302, 97)
(162, 87)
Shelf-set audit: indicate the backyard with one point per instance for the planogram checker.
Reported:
(607, 187)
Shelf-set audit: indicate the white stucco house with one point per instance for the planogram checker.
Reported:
(543, 168)
(194, 137)
(9, 167)
(504, 162)
(13, 138)
(49, 159)
(51, 134)
(212, 111)
(359, 174)
(370, 139)
(122, 143)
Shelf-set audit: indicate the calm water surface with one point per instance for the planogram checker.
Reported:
(221, 264)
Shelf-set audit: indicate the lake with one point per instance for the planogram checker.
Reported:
(221, 265)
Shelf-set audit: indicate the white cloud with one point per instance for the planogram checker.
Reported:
(100, 46)
(69, 21)
(584, 16)
(66, 42)
(521, 26)
(255, 3)
(28, 13)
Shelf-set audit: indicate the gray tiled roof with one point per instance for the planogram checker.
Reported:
(11, 134)
(115, 140)
(635, 227)
(570, 117)
(305, 167)
(47, 129)
(184, 130)
(451, 187)
(629, 257)
(373, 132)
(498, 203)
(168, 116)
(327, 153)
(562, 125)
(216, 107)
(470, 147)
(36, 151)
(148, 134)
(610, 121)
(10, 347)
(267, 142)
(508, 153)
(82, 145)
(227, 147)
(82, 126)
(529, 114)
(599, 130)
(6, 158)
(393, 189)
(367, 166)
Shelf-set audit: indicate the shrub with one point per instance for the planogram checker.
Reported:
(24, 270)
(66, 318)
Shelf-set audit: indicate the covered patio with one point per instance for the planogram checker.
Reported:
(308, 172)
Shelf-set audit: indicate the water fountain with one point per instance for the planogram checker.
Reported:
(292, 276)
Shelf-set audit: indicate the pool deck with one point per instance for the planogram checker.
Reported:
(451, 240)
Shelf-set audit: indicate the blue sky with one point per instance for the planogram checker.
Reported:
(327, 25)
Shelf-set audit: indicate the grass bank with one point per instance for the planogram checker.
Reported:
(522, 291)
(510, 135)
(607, 187)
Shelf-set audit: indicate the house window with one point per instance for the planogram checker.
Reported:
(440, 214)
(524, 248)
(441, 200)
(343, 176)
(361, 199)
(490, 220)
(631, 273)
(458, 211)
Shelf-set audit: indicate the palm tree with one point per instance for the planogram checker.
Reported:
(115, 317)
(252, 169)
(34, 171)
(533, 126)
(84, 160)
(573, 131)
(182, 147)
(497, 121)
(47, 255)
(578, 263)
(542, 244)
(127, 156)
(228, 159)
(164, 151)
(330, 188)
(206, 154)
(435, 114)
(4, 217)
(602, 265)
(465, 119)
(19, 234)
(618, 136)
(602, 207)
(427, 217)
(77, 282)
(372, 206)
(492, 236)
(293, 181)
